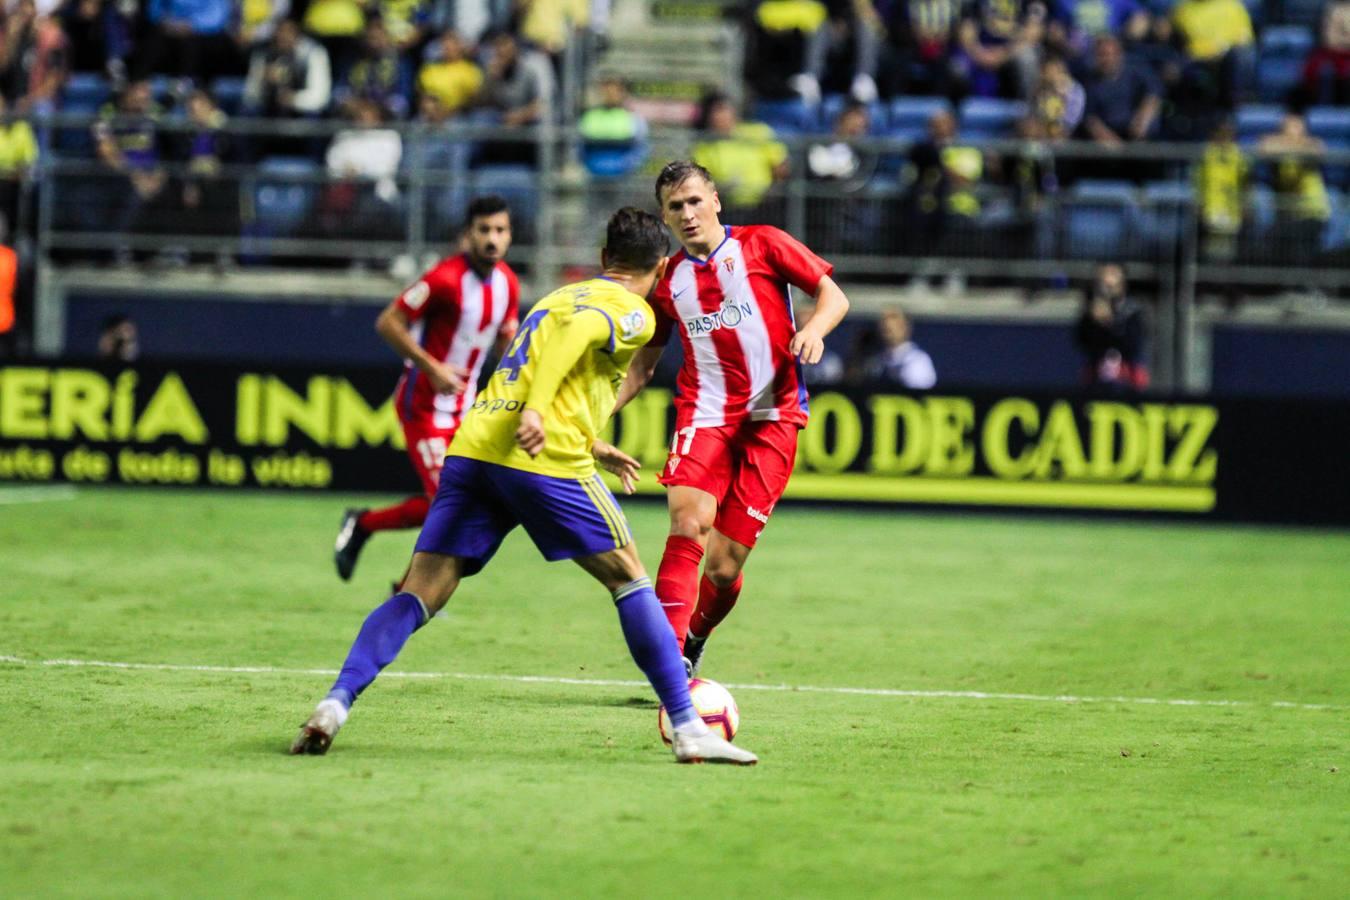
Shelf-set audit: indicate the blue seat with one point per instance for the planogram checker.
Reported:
(986, 117)
(283, 195)
(1260, 212)
(613, 159)
(85, 92)
(1277, 76)
(791, 116)
(1330, 123)
(228, 94)
(1255, 120)
(1166, 213)
(1286, 40)
(1337, 233)
(833, 104)
(909, 116)
(1307, 13)
(1100, 220)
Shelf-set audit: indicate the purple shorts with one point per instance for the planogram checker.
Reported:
(478, 503)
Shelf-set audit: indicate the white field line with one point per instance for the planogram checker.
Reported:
(42, 494)
(608, 682)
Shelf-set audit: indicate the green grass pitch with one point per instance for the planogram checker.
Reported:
(174, 782)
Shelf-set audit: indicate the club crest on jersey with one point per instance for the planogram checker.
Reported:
(729, 263)
(730, 315)
(415, 296)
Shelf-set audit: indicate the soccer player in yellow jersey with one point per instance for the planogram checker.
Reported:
(526, 455)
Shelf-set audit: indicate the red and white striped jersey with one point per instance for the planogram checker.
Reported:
(455, 316)
(733, 311)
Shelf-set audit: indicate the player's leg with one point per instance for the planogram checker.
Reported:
(432, 579)
(426, 446)
(697, 476)
(463, 530)
(653, 648)
(718, 591)
(766, 453)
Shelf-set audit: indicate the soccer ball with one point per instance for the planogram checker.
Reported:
(714, 703)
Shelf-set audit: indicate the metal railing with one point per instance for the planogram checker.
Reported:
(276, 204)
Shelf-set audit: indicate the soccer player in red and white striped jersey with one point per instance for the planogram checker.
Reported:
(444, 326)
(742, 397)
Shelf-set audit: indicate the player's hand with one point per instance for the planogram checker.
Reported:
(807, 348)
(615, 461)
(530, 434)
(447, 380)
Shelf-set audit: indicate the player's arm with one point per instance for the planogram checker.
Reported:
(640, 373)
(394, 326)
(808, 344)
(589, 329)
(792, 261)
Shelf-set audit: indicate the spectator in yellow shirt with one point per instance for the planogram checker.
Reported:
(1302, 204)
(18, 146)
(745, 158)
(1211, 28)
(1220, 47)
(1221, 191)
(547, 23)
(452, 78)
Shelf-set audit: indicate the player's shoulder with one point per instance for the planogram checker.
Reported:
(761, 235)
(509, 274)
(448, 272)
(629, 313)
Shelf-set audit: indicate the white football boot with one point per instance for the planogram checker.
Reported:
(317, 734)
(710, 748)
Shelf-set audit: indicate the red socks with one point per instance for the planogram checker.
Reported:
(677, 582)
(714, 603)
(411, 513)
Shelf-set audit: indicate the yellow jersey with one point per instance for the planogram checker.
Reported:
(566, 361)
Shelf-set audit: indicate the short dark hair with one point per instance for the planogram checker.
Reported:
(485, 205)
(115, 320)
(677, 172)
(635, 240)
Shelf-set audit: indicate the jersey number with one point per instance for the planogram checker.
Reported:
(432, 451)
(517, 352)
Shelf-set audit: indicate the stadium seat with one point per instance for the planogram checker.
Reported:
(1286, 40)
(1307, 13)
(985, 117)
(1283, 49)
(1099, 221)
(613, 159)
(283, 195)
(1337, 233)
(1331, 124)
(908, 116)
(1260, 212)
(1255, 120)
(85, 92)
(791, 116)
(833, 104)
(1276, 76)
(228, 94)
(1165, 214)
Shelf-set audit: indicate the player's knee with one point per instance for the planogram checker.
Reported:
(690, 525)
(722, 570)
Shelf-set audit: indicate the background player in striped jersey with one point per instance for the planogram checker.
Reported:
(443, 326)
(742, 398)
(527, 456)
